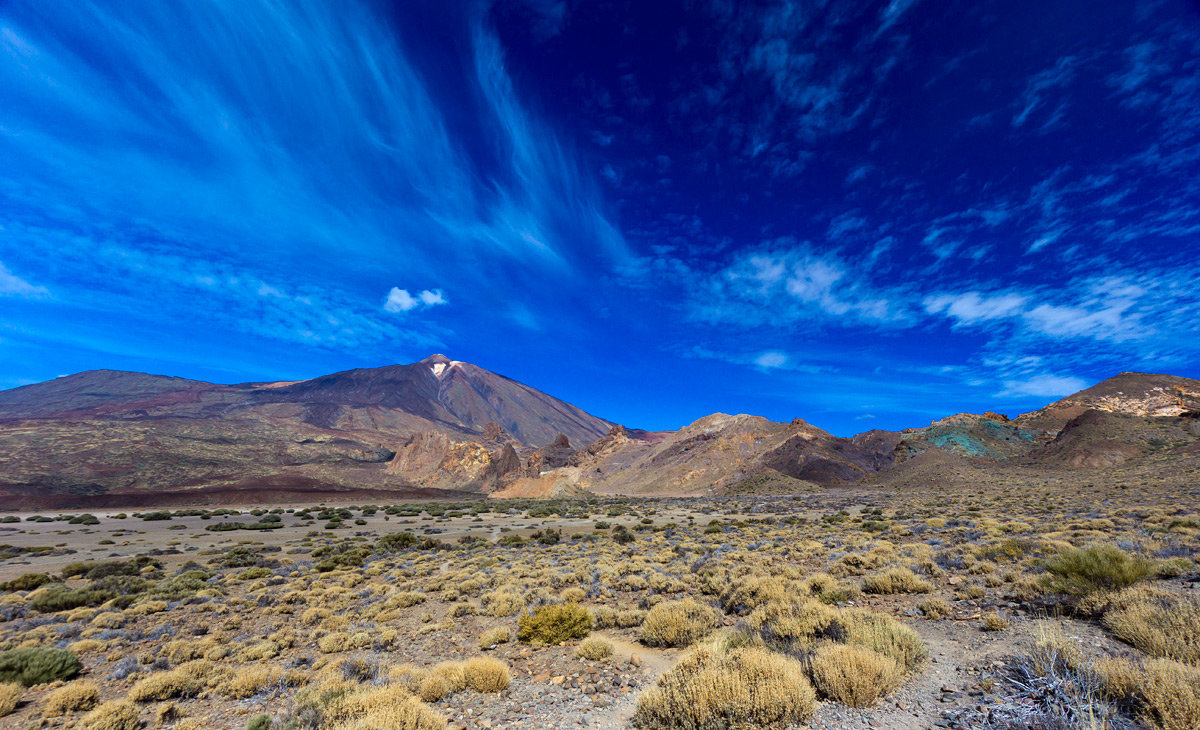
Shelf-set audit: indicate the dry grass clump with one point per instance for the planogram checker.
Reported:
(935, 608)
(249, 680)
(804, 624)
(574, 594)
(1167, 692)
(502, 603)
(994, 622)
(714, 687)
(494, 637)
(10, 697)
(485, 674)
(1080, 571)
(896, 580)
(882, 634)
(435, 688)
(453, 673)
(853, 675)
(741, 598)
(554, 624)
(594, 648)
(165, 686)
(375, 708)
(74, 697)
(677, 623)
(117, 715)
(1160, 623)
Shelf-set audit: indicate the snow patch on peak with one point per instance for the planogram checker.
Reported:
(442, 369)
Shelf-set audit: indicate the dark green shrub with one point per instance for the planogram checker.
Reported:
(395, 542)
(36, 665)
(54, 598)
(259, 722)
(554, 624)
(622, 535)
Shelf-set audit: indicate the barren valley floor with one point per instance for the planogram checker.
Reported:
(849, 608)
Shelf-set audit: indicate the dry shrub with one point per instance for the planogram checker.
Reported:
(74, 697)
(1166, 691)
(333, 643)
(435, 688)
(604, 617)
(882, 634)
(494, 637)
(994, 622)
(1160, 623)
(165, 686)
(485, 674)
(404, 600)
(935, 608)
(594, 648)
(741, 598)
(573, 594)
(249, 680)
(502, 603)
(896, 580)
(713, 688)
(381, 708)
(853, 675)
(118, 715)
(795, 622)
(453, 673)
(677, 623)
(10, 697)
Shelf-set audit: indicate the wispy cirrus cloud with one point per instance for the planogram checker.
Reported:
(12, 285)
(269, 138)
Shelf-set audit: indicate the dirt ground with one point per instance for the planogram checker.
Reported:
(317, 605)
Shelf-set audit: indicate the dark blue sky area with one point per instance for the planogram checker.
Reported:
(866, 215)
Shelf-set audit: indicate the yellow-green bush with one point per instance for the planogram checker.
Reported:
(494, 637)
(554, 624)
(1080, 571)
(165, 686)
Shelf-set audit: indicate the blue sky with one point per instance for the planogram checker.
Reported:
(866, 215)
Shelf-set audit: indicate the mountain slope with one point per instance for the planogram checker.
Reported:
(109, 433)
(1134, 394)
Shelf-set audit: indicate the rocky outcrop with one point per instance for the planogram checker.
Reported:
(434, 460)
